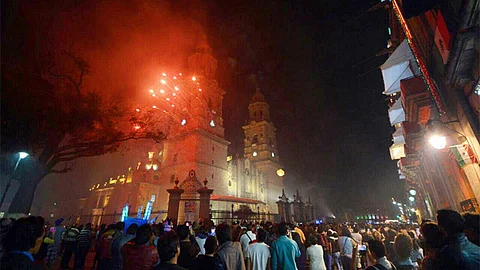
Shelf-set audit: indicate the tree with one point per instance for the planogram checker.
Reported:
(47, 112)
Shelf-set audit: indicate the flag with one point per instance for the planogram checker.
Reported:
(464, 155)
(442, 37)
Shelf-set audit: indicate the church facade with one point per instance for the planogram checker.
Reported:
(197, 145)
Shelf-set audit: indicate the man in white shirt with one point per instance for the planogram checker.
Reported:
(247, 237)
(376, 253)
(358, 239)
(258, 254)
(315, 254)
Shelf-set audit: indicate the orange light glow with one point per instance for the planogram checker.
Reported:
(153, 95)
(137, 109)
(173, 94)
(200, 89)
(164, 74)
(137, 127)
(163, 81)
(151, 91)
(173, 105)
(176, 88)
(154, 106)
(167, 99)
(174, 77)
(194, 78)
(162, 91)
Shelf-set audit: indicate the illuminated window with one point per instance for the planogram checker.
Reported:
(107, 199)
(273, 154)
(389, 31)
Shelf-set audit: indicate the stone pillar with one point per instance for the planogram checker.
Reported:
(205, 201)
(284, 208)
(174, 201)
(298, 208)
(309, 211)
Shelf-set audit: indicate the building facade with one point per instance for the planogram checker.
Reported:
(196, 144)
(432, 81)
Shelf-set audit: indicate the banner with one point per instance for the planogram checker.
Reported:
(190, 207)
(442, 37)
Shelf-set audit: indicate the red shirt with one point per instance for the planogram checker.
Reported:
(142, 257)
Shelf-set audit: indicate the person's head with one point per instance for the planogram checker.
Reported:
(312, 239)
(432, 234)
(345, 232)
(25, 234)
(59, 221)
(202, 230)
(224, 233)
(236, 233)
(110, 227)
(144, 233)
(403, 246)
(168, 246)
(119, 226)
(132, 229)
(102, 227)
(451, 222)
(88, 226)
(261, 235)
(210, 245)
(183, 232)
(282, 228)
(472, 227)
(80, 227)
(376, 248)
(355, 229)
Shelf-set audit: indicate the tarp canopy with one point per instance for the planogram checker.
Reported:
(400, 65)
(398, 137)
(397, 151)
(396, 113)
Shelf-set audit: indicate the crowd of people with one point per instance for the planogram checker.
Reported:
(450, 243)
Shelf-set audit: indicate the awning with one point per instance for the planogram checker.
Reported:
(224, 198)
(398, 137)
(400, 65)
(396, 113)
(397, 151)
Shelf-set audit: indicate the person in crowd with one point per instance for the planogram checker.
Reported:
(315, 254)
(207, 261)
(104, 251)
(390, 235)
(118, 243)
(347, 247)
(158, 230)
(201, 238)
(434, 242)
(300, 233)
(99, 233)
(403, 247)
(21, 242)
(302, 260)
(357, 237)
(326, 245)
(247, 238)
(376, 252)
(284, 250)
(417, 252)
(189, 248)
(137, 254)
(84, 242)
(258, 253)
(228, 256)
(70, 245)
(472, 227)
(119, 227)
(333, 239)
(168, 247)
(459, 253)
(236, 235)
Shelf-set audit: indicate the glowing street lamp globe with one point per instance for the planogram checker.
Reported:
(412, 192)
(411, 198)
(22, 155)
(280, 172)
(438, 142)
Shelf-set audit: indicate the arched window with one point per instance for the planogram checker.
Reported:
(255, 139)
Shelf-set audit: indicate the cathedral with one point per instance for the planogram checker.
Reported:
(196, 150)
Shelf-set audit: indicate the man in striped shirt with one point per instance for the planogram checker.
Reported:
(84, 242)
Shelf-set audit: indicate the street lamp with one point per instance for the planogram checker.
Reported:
(280, 172)
(21, 155)
(438, 141)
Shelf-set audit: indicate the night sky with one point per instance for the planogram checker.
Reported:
(315, 62)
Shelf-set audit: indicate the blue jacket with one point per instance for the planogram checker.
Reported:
(460, 253)
(284, 251)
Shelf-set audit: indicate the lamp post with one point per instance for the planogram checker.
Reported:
(21, 155)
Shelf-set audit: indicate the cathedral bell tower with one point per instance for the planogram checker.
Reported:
(261, 147)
